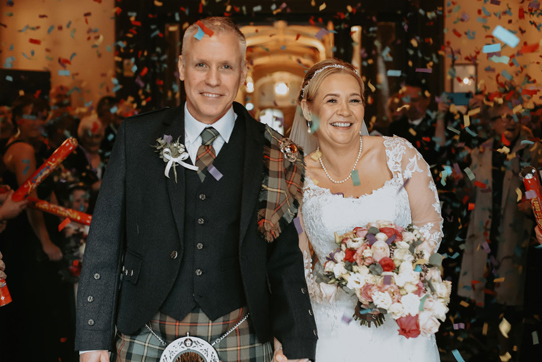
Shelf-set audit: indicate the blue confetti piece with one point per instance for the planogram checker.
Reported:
(394, 73)
(177, 17)
(491, 48)
(69, 24)
(67, 133)
(527, 142)
(64, 72)
(51, 28)
(73, 55)
(30, 117)
(26, 169)
(134, 68)
(471, 132)
(481, 20)
(88, 104)
(507, 75)
(113, 109)
(457, 356)
(26, 161)
(155, 33)
(11, 47)
(486, 13)
(505, 36)
(9, 78)
(199, 35)
(121, 44)
(110, 137)
(116, 88)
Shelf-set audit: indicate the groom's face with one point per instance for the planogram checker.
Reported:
(212, 70)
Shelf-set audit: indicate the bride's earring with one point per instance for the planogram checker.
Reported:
(309, 124)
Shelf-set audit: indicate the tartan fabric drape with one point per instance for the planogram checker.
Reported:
(206, 152)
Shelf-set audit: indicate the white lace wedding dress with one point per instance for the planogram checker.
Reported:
(325, 213)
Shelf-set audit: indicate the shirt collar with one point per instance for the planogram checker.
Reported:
(224, 125)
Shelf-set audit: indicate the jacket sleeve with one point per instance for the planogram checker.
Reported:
(100, 277)
(292, 316)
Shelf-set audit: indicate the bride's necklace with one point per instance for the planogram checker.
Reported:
(350, 175)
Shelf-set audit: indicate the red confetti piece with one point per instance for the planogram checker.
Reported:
(529, 92)
(95, 127)
(136, 23)
(458, 34)
(35, 41)
(480, 184)
(64, 223)
(144, 71)
(200, 8)
(205, 29)
(297, 36)
(471, 206)
(505, 140)
(530, 48)
(65, 61)
(521, 14)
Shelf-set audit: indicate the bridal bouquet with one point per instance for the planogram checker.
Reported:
(382, 264)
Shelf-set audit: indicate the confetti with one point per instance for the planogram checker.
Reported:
(531, 194)
(9, 78)
(469, 173)
(492, 48)
(214, 172)
(205, 29)
(535, 338)
(199, 34)
(505, 36)
(355, 178)
(394, 73)
(520, 195)
(505, 327)
(322, 7)
(320, 34)
(457, 356)
(297, 223)
(63, 224)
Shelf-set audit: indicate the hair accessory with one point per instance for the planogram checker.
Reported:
(320, 70)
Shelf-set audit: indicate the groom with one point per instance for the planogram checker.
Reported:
(198, 250)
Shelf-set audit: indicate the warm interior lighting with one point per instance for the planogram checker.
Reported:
(249, 106)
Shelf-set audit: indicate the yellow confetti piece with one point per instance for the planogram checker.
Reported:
(313, 3)
(506, 357)
(488, 103)
(453, 108)
(464, 304)
(520, 195)
(484, 330)
(505, 327)
(414, 43)
(466, 120)
(518, 109)
(504, 149)
(322, 7)
(472, 112)
(349, 8)
(371, 86)
(420, 261)
(315, 181)
(427, 94)
(316, 155)
(498, 100)
(499, 280)
(412, 132)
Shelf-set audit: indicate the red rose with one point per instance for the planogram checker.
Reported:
(388, 231)
(349, 255)
(387, 264)
(409, 326)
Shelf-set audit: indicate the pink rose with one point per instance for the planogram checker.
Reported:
(361, 232)
(367, 292)
(399, 228)
(409, 326)
(369, 260)
(380, 250)
(392, 290)
(358, 256)
(428, 324)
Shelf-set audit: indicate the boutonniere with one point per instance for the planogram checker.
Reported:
(172, 153)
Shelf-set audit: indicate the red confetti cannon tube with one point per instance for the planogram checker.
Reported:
(533, 191)
(48, 166)
(5, 297)
(72, 214)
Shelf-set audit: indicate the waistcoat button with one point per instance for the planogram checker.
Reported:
(174, 254)
(199, 246)
(91, 322)
(201, 221)
(202, 197)
(198, 272)
(90, 299)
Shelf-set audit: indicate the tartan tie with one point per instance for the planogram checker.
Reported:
(206, 152)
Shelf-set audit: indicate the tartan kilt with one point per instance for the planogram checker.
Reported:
(241, 345)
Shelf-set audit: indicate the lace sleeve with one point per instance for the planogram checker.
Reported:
(319, 292)
(423, 198)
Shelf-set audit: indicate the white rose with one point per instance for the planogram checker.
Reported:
(381, 237)
(380, 250)
(440, 309)
(354, 243)
(408, 236)
(440, 289)
(367, 253)
(346, 276)
(402, 245)
(411, 303)
(356, 281)
(339, 256)
(328, 266)
(408, 258)
(339, 270)
(410, 288)
(428, 324)
(362, 270)
(434, 275)
(406, 267)
(371, 279)
(397, 311)
(382, 300)
(384, 224)
(399, 254)
(417, 234)
(407, 277)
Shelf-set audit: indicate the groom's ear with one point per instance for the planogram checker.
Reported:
(306, 111)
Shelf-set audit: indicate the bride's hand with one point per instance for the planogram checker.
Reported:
(279, 356)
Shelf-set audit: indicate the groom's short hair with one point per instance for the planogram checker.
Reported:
(219, 25)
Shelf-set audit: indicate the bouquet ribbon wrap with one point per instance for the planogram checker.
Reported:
(533, 191)
(72, 214)
(45, 170)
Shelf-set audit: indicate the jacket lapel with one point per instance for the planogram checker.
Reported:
(174, 126)
(252, 168)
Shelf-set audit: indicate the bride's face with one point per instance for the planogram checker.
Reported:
(339, 108)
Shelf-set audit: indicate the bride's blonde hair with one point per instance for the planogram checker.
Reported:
(319, 71)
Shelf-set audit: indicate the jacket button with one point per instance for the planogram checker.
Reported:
(96, 276)
(91, 322)
(201, 221)
(199, 246)
(202, 197)
(315, 333)
(174, 254)
(90, 299)
(198, 272)
(310, 312)
(303, 290)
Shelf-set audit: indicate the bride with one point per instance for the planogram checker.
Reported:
(353, 179)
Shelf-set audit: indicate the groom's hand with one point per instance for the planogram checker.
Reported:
(280, 357)
(94, 356)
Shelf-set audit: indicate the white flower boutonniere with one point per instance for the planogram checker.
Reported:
(172, 153)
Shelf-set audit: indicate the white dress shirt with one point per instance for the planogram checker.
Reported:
(193, 129)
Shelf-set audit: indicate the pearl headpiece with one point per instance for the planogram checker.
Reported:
(320, 70)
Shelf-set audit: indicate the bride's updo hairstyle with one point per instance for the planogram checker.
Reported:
(319, 71)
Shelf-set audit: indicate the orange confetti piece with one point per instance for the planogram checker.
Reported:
(64, 223)
(480, 184)
(205, 29)
(530, 48)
